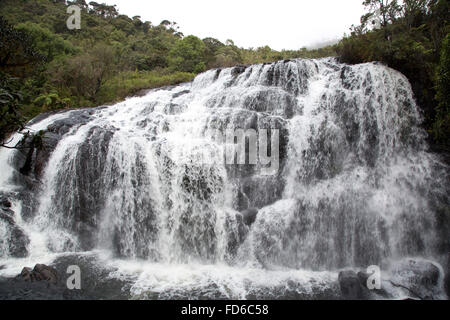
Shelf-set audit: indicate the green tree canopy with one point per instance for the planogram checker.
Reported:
(18, 52)
(188, 55)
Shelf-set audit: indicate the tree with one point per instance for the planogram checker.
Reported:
(211, 48)
(188, 55)
(84, 74)
(227, 57)
(442, 123)
(52, 101)
(47, 43)
(383, 10)
(438, 16)
(414, 11)
(18, 52)
(81, 3)
(103, 10)
(11, 118)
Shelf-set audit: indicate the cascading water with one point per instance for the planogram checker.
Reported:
(355, 186)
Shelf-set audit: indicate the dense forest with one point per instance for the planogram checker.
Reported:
(44, 66)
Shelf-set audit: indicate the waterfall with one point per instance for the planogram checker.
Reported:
(355, 185)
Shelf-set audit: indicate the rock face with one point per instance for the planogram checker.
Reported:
(41, 272)
(13, 241)
(31, 162)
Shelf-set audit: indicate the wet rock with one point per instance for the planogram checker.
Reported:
(424, 272)
(235, 239)
(7, 216)
(42, 155)
(271, 101)
(18, 245)
(96, 284)
(216, 76)
(371, 293)
(88, 198)
(13, 236)
(41, 272)
(348, 78)
(419, 278)
(350, 285)
(29, 202)
(249, 216)
(181, 93)
(447, 278)
(238, 70)
(257, 191)
(447, 284)
(4, 202)
(31, 161)
(17, 289)
(174, 109)
(142, 93)
(363, 277)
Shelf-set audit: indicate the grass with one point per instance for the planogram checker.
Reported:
(128, 83)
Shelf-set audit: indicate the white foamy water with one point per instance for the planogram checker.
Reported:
(356, 186)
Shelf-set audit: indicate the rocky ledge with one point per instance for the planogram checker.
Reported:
(409, 279)
(50, 282)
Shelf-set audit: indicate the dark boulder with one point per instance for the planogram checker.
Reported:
(238, 70)
(249, 216)
(4, 202)
(15, 238)
(18, 245)
(421, 272)
(216, 76)
(41, 272)
(350, 285)
(420, 278)
(42, 155)
(257, 191)
(181, 93)
(7, 216)
(174, 108)
(363, 277)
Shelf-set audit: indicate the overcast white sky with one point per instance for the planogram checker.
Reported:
(281, 24)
